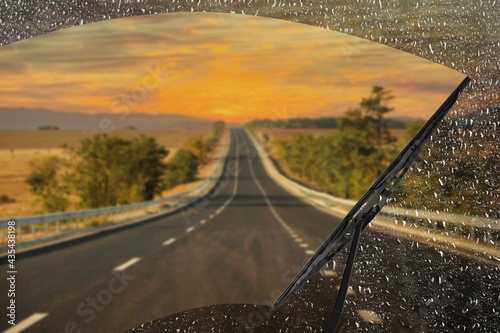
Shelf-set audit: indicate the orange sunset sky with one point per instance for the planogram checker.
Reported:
(215, 66)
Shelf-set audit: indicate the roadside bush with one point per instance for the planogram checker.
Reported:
(4, 198)
(46, 184)
(182, 168)
(200, 146)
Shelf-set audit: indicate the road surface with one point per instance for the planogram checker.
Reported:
(242, 245)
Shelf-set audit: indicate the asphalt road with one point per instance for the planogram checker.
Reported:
(243, 244)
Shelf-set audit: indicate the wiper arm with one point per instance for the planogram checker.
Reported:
(363, 212)
(344, 285)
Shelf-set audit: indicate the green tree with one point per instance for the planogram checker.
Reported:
(218, 129)
(375, 107)
(109, 170)
(46, 184)
(348, 161)
(146, 167)
(354, 151)
(181, 168)
(200, 146)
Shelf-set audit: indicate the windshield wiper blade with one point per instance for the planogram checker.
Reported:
(364, 211)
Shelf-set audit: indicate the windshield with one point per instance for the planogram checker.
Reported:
(201, 159)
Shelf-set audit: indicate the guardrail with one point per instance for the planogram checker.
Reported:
(481, 228)
(63, 224)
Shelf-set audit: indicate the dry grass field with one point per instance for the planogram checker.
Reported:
(19, 148)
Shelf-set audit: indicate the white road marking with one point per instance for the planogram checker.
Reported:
(168, 242)
(189, 229)
(127, 264)
(276, 215)
(370, 316)
(280, 220)
(235, 188)
(26, 323)
(310, 252)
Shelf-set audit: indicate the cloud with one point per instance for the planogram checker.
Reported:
(214, 47)
(218, 65)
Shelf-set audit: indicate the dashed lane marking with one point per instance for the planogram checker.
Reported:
(168, 242)
(126, 264)
(31, 320)
(189, 229)
(303, 245)
(235, 187)
(310, 252)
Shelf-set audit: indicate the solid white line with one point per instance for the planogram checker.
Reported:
(189, 229)
(280, 220)
(203, 221)
(26, 323)
(310, 252)
(127, 264)
(168, 242)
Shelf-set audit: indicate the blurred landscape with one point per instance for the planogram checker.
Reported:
(344, 161)
(27, 119)
(19, 149)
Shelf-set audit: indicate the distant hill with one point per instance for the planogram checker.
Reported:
(25, 118)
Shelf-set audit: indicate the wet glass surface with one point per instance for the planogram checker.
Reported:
(423, 287)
